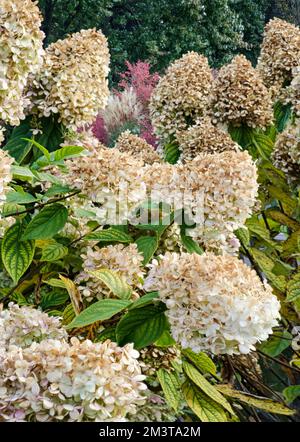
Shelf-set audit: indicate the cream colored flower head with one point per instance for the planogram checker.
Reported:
(240, 97)
(215, 303)
(137, 147)
(126, 261)
(21, 54)
(5, 174)
(286, 154)
(203, 137)
(54, 381)
(73, 82)
(280, 53)
(181, 96)
(21, 326)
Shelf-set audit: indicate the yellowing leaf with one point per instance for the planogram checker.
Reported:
(171, 387)
(74, 294)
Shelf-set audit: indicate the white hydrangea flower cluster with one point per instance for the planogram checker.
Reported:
(81, 381)
(292, 93)
(240, 96)
(73, 82)
(21, 42)
(182, 95)
(127, 261)
(280, 54)
(21, 326)
(5, 174)
(215, 303)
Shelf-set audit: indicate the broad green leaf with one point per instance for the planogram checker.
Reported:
(57, 189)
(266, 265)
(40, 147)
(202, 405)
(170, 385)
(276, 344)
(53, 282)
(198, 379)
(67, 152)
(114, 282)
(243, 235)
(68, 314)
(110, 235)
(20, 197)
(107, 333)
(22, 173)
(165, 340)
(282, 115)
(74, 294)
(144, 300)
(261, 232)
(147, 246)
(16, 146)
(291, 393)
(142, 326)
(16, 255)
(190, 245)
(53, 299)
(288, 202)
(99, 311)
(49, 221)
(255, 401)
(293, 288)
(201, 361)
(54, 252)
(172, 152)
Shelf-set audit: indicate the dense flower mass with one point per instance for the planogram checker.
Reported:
(280, 53)
(81, 381)
(203, 137)
(240, 97)
(125, 260)
(21, 326)
(73, 81)
(286, 155)
(155, 409)
(181, 96)
(215, 303)
(291, 94)
(21, 54)
(110, 178)
(5, 174)
(137, 147)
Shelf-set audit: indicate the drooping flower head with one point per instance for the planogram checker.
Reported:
(203, 137)
(21, 54)
(81, 381)
(240, 97)
(215, 303)
(181, 96)
(73, 82)
(280, 53)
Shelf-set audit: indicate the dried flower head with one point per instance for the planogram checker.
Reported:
(137, 147)
(153, 358)
(5, 174)
(73, 82)
(21, 326)
(21, 54)
(203, 137)
(80, 381)
(215, 303)
(240, 97)
(291, 94)
(286, 154)
(125, 260)
(280, 53)
(181, 96)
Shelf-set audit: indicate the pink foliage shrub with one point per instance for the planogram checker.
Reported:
(99, 130)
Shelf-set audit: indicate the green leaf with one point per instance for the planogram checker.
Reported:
(22, 173)
(198, 379)
(53, 282)
(165, 340)
(293, 288)
(16, 146)
(282, 115)
(16, 255)
(53, 299)
(172, 152)
(67, 152)
(54, 252)
(144, 300)
(40, 147)
(110, 235)
(276, 344)
(201, 361)
(202, 405)
(99, 311)
(147, 246)
(190, 245)
(114, 282)
(20, 197)
(243, 235)
(291, 393)
(171, 387)
(49, 221)
(267, 265)
(142, 326)
(255, 401)
(68, 314)
(57, 189)
(107, 333)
